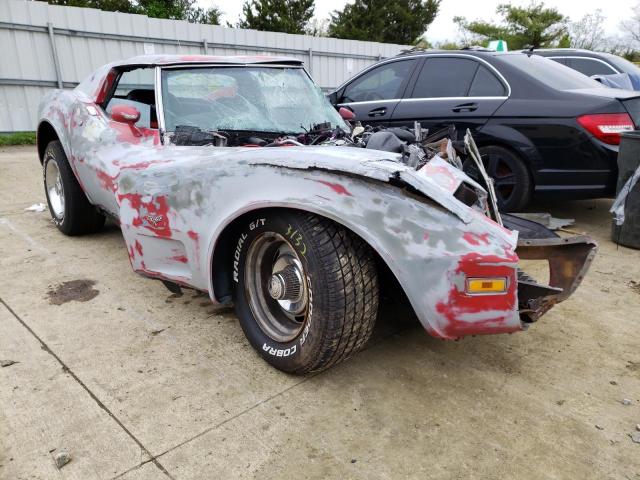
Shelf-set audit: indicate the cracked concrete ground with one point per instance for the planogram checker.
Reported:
(137, 384)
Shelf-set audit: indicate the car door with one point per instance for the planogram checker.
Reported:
(374, 95)
(451, 89)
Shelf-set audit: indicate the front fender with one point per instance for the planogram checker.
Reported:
(173, 214)
(428, 249)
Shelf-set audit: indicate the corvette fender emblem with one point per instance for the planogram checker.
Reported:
(154, 220)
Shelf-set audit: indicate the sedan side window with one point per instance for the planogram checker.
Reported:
(590, 66)
(381, 83)
(445, 77)
(486, 84)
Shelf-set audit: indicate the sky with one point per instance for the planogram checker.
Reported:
(443, 28)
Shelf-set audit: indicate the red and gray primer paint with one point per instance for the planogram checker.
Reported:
(174, 202)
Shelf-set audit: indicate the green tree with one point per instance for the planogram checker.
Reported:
(446, 45)
(423, 44)
(532, 26)
(171, 9)
(125, 6)
(209, 16)
(288, 16)
(387, 21)
(179, 10)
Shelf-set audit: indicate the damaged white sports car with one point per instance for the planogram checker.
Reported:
(235, 176)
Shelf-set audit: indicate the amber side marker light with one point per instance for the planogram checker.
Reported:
(483, 286)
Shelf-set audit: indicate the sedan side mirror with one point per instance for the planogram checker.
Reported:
(125, 114)
(346, 114)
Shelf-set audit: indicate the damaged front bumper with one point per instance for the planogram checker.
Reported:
(569, 260)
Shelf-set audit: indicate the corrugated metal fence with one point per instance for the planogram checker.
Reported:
(44, 46)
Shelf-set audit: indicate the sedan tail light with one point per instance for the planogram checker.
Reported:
(607, 127)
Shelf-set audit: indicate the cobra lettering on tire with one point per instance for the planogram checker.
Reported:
(306, 290)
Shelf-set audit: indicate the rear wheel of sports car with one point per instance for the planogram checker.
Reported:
(510, 175)
(70, 210)
(306, 290)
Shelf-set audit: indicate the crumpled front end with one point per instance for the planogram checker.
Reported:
(569, 260)
(464, 312)
(490, 293)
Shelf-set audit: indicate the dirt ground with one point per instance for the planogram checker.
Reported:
(135, 383)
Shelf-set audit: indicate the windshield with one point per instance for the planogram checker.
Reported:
(256, 99)
(553, 74)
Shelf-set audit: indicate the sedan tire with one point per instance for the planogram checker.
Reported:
(511, 177)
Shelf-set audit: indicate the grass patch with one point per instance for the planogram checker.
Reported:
(17, 138)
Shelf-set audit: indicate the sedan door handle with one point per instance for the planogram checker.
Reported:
(465, 107)
(378, 112)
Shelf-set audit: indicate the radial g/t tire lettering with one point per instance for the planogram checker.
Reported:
(306, 290)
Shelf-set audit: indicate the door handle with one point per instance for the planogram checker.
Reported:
(465, 107)
(378, 112)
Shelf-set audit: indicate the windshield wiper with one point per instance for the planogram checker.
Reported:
(320, 127)
(188, 135)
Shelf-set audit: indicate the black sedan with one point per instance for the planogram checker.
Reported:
(542, 127)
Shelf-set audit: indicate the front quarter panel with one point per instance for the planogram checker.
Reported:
(173, 214)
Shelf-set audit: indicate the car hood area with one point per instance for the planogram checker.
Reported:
(437, 179)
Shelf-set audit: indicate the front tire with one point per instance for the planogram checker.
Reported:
(70, 210)
(306, 290)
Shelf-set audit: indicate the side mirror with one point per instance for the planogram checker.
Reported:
(346, 114)
(125, 114)
(333, 98)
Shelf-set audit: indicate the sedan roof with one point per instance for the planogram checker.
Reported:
(165, 60)
(480, 52)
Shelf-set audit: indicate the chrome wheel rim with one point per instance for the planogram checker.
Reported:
(54, 188)
(276, 287)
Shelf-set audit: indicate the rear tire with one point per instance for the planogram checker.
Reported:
(70, 210)
(306, 290)
(511, 177)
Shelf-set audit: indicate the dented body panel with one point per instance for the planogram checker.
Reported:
(174, 204)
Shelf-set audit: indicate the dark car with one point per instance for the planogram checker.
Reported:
(610, 70)
(542, 128)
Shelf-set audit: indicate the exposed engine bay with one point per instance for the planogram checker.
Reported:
(416, 148)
